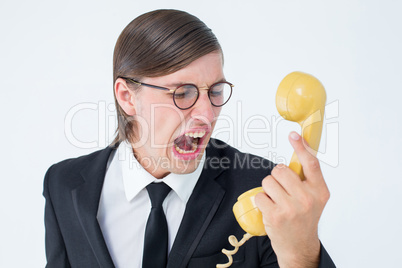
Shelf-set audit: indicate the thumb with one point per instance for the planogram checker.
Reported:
(306, 155)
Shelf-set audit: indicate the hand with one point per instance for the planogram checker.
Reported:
(291, 208)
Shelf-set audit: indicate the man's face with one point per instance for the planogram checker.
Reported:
(170, 139)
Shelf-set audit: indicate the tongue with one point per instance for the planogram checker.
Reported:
(185, 142)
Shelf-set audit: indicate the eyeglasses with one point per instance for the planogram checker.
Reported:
(186, 95)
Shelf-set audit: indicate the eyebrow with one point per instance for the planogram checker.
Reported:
(177, 84)
(174, 85)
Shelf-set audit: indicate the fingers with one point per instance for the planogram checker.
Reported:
(287, 178)
(310, 163)
(266, 206)
(274, 190)
(283, 184)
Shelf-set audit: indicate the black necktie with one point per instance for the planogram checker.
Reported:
(156, 232)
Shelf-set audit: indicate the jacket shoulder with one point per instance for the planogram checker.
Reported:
(67, 171)
(75, 163)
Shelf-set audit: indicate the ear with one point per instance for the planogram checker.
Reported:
(125, 97)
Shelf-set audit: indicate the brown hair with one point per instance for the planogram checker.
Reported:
(154, 44)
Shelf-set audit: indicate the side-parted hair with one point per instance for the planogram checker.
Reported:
(155, 44)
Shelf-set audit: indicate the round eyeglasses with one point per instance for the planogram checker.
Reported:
(186, 95)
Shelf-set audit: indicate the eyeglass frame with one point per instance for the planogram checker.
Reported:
(174, 90)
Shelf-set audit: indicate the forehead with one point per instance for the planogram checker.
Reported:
(202, 72)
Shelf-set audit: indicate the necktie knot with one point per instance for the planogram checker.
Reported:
(157, 193)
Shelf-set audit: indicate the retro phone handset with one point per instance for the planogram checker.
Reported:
(300, 98)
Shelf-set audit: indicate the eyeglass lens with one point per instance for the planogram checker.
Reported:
(186, 95)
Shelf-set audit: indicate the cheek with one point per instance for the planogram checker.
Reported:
(168, 122)
(217, 111)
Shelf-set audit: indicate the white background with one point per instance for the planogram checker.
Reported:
(55, 55)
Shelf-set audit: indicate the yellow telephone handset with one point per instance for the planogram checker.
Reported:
(300, 98)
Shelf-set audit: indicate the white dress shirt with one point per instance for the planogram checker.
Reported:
(124, 205)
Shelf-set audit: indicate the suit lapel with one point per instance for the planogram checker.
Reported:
(200, 210)
(86, 200)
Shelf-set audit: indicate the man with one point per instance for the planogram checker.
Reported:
(169, 88)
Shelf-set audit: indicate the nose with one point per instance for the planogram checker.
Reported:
(204, 110)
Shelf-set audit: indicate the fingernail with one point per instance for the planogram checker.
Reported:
(294, 136)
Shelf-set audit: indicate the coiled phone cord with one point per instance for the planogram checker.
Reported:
(234, 242)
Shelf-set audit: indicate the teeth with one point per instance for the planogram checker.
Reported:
(195, 134)
(194, 145)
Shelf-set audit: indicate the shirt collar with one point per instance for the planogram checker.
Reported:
(136, 178)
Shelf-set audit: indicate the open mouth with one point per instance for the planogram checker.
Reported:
(189, 142)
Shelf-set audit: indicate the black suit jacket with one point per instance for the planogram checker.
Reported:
(72, 190)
